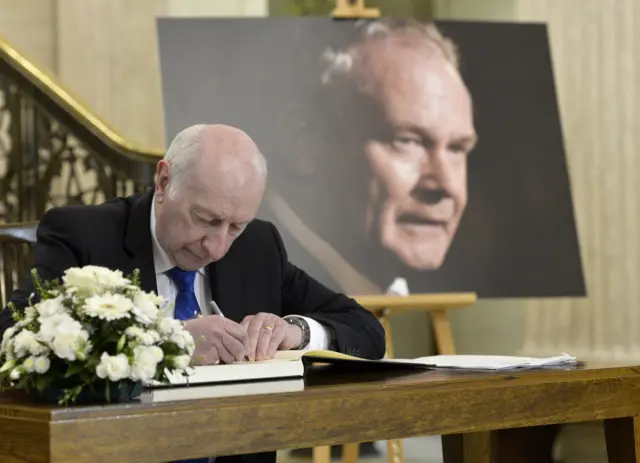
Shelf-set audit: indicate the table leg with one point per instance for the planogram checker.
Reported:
(533, 444)
(473, 447)
(623, 439)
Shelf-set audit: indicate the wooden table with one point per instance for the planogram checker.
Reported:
(333, 409)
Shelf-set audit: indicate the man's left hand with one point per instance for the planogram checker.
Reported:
(269, 333)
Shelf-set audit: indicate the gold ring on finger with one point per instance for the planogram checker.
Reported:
(268, 327)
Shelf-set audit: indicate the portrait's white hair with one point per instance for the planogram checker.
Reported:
(340, 63)
(185, 148)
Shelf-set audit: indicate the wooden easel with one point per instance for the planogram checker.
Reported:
(385, 306)
(354, 9)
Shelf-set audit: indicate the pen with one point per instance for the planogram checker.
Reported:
(217, 311)
(215, 308)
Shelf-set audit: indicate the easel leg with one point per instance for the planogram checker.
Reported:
(395, 451)
(475, 447)
(322, 454)
(623, 439)
(350, 452)
(442, 332)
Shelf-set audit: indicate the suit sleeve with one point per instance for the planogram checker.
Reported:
(56, 250)
(356, 330)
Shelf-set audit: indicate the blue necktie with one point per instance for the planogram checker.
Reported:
(186, 307)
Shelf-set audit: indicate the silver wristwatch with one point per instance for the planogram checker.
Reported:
(304, 326)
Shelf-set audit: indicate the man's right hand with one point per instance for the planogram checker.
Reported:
(218, 340)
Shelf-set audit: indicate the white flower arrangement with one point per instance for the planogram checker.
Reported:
(95, 329)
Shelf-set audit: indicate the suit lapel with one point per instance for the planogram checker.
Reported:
(138, 242)
(225, 280)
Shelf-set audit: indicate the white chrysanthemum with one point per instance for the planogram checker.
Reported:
(49, 325)
(26, 343)
(113, 367)
(181, 362)
(183, 340)
(15, 374)
(29, 314)
(41, 364)
(108, 307)
(50, 307)
(36, 364)
(145, 362)
(6, 336)
(92, 278)
(65, 336)
(71, 345)
(145, 307)
(145, 337)
(168, 326)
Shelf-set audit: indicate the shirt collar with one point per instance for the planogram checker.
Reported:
(161, 261)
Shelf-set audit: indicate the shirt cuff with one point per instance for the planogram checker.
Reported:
(319, 337)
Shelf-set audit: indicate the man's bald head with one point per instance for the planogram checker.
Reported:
(209, 186)
(221, 150)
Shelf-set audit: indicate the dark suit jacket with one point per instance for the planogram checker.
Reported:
(255, 275)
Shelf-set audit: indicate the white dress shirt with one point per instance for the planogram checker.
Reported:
(319, 336)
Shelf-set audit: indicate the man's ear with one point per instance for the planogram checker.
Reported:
(162, 180)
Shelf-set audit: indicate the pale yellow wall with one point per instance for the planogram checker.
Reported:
(596, 57)
(105, 51)
(31, 26)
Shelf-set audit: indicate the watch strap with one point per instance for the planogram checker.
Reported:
(304, 326)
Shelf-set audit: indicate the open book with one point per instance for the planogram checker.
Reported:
(292, 364)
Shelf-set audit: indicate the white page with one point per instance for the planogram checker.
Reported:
(494, 362)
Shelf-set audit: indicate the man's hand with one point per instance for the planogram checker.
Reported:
(269, 333)
(218, 339)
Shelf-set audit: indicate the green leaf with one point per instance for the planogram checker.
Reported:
(8, 365)
(121, 342)
(37, 282)
(42, 381)
(73, 369)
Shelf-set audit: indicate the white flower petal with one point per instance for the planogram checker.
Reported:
(108, 307)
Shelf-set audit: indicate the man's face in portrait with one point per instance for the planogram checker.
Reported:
(420, 135)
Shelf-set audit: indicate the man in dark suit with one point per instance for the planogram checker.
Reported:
(196, 242)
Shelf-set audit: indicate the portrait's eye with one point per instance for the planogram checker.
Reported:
(405, 141)
(458, 149)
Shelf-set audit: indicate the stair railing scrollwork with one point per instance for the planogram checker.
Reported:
(54, 151)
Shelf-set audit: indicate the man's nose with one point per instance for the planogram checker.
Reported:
(215, 243)
(436, 172)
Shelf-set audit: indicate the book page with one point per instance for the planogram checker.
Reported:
(322, 354)
(493, 362)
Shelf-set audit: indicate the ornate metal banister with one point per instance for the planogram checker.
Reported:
(55, 151)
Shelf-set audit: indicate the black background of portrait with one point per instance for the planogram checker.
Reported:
(517, 237)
